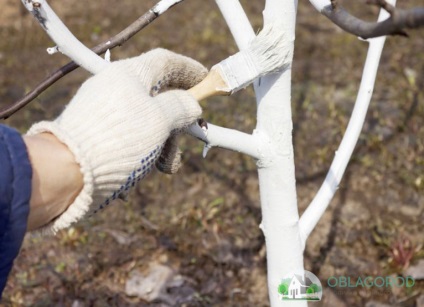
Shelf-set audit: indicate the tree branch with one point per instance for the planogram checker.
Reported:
(322, 199)
(396, 24)
(237, 22)
(66, 42)
(215, 136)
(113, 42)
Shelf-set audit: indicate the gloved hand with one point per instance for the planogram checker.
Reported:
(116, 129)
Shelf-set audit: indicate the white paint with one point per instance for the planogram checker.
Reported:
(52, 50)
(276, 168)
(67, 43)
(206, 149)
(266, 53)
(28, 4)
(334, 176)
(107, 55)
(237, 22)
(164, 5)
(226, 138)
(320, 4)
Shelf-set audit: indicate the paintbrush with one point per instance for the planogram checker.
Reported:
(267, 53)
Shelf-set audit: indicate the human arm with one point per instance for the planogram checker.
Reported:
(107, 139)
(15, 193)
(116, 126)
(56, 179)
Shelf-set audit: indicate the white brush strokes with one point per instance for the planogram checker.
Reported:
(267, 53)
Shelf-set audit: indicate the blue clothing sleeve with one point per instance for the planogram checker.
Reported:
(15, 194)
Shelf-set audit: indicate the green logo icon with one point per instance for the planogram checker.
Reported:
(302, 285)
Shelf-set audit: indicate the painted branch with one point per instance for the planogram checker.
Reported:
(276, 161)
(325, 194)
(276, 168)
(395, 24)
(66, 42)
(237, 22)
(215, 136)
(113, 42)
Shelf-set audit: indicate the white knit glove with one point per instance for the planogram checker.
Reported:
(116, 129)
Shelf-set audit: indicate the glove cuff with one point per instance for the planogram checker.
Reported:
(107, 174)
(80, 206)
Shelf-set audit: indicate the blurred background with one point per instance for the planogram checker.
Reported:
(194, 236)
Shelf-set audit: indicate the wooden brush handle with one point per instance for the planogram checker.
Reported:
(212, 85)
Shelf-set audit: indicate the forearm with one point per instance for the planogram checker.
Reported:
(56, 179)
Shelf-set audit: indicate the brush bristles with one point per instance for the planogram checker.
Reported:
(268, 52)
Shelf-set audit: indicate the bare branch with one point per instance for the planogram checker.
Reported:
(396, 24)
(117, 40)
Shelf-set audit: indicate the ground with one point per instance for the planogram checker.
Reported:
(200, 227)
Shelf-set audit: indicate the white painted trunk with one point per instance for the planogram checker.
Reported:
(280, 217)
(273, 134)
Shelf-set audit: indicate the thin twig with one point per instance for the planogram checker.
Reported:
(115, 41)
